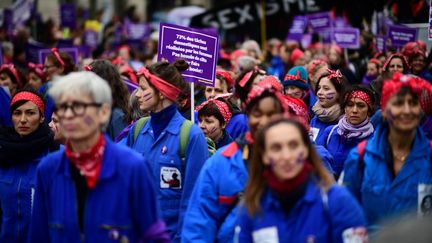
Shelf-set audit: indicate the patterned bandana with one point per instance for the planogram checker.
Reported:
(29, 96)
(416, 84)
(221, 106)
(258, 90)
(397, 55)
(272, 81)
(38, 69)
(361, 95)
(248, 75)
(168, 90)
(226, 75)
(335, 74)
(295, 77)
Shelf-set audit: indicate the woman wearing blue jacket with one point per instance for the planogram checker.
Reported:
(392, 174)
(327, 111)
(173, 173)
(290, 196)
(352, 128)
(93, 190)
(21, 149)
(211, 214)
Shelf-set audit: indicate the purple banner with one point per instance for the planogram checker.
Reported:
(91, 38)
(347, 37)
(199, 49)
(68, 16)
(137, 31)
(71, 51)
(380, 43)
(32, 52)
(400, 35)
(297, 28)
(320, 21)
(430, 21)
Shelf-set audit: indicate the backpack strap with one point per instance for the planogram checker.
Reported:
(139, 125)
(330, 134)
(184, 138)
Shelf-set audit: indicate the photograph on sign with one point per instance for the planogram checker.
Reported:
(199, 48)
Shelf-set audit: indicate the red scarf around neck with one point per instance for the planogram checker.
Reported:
(89, 162)
(287, 186)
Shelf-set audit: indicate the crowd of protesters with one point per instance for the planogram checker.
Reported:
(292, 144)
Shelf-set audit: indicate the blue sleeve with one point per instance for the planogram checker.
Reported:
(196, 155)
(38, 231)
(376, 119)
(237, 126)
(352, 174)
(145, 207)
(200, 223)
(326, 157)
(345, 212)
(243, 232)
(322, 138)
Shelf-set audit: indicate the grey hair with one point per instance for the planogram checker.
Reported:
(76, 84)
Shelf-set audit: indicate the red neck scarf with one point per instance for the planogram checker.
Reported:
(288, 186)
(89, 162)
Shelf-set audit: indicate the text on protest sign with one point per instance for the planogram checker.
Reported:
(347, 37)
(400, 35)
(199, 48)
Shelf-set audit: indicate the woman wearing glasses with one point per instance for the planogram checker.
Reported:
(21, 148)
(94, 189)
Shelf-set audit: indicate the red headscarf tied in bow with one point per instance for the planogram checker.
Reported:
(13, 71)
(298, 109)
(419, 86)
(56, 53)
(397, 55)
(226, 75)
(168, 90)
(29, 96)
(335, 74)
(295, 77)
(248, 75)
(221, 106)
(272, 81)
(38, 69)
(258, 90)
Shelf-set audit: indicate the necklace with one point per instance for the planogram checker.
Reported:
(402, 157)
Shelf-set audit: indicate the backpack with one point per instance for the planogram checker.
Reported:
(184, 136)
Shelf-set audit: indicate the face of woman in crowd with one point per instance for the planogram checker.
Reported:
(55, 127)
(403, 113)
(6, 81)
(295, 92)
(356, 111)
(285, 151)
(146, 95)
(219, 88)
(396, 65)
(418, 64)
(26, 118)
(327, 94)
(80, 118)
(51, 70)
(211, 127)
(34, 81)
(334, 57)
(372, 69)
(261, 113)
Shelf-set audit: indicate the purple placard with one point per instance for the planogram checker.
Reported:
(347, 37)
(68, 16)
(200, 49)
(320, 21)
(297, 28)
(91, 38)
(400, 35)
(32, 51)
(380, 43)
(64, 43)
(137, 31)
(71, 51)
(326, 36)
(430, 21)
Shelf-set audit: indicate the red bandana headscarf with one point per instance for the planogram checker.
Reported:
(221, 106)
(13, 71)
(56, 53)
(29, 96)
(248, 75)
(38, 69)
(226, 75)
(168, 90)
(360, 95)
(391, 87)
(396, 55)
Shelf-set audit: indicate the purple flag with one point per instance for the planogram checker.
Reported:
(380, 43)
(68, 16)
(347, 37)
(320, 21)
(400, 35)
(71, 51)
(91, 38)
(297, 28)
(200, 49)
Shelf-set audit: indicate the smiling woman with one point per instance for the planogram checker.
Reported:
(21, 149)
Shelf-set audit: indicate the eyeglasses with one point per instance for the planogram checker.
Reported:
(77, 108)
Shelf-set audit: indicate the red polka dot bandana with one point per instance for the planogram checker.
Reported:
(28, 96)
(168, 90)
(221, 106)
(360, 95)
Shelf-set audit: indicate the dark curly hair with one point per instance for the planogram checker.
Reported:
(69, 65)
